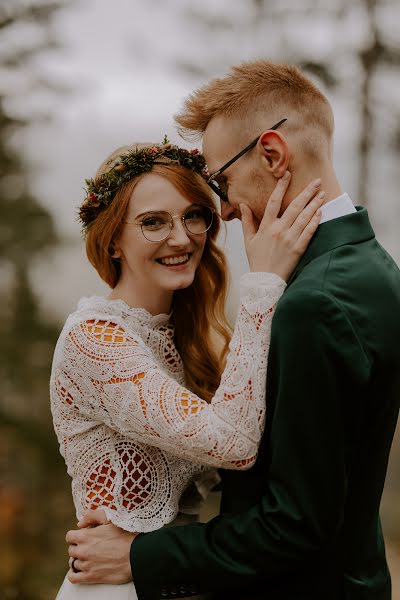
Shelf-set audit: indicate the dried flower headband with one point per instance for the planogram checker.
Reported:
(101, 190)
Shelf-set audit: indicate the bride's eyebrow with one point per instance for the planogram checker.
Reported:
(149, 212)
(157, 212)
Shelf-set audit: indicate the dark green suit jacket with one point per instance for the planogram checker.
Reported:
(303, 523)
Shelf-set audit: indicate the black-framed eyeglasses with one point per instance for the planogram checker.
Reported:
(156, 226)
(211, 180)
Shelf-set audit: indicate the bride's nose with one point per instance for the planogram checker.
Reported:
(178, 236)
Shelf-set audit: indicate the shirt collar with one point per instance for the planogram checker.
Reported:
(338, 207)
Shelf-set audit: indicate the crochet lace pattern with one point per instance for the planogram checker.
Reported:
(132, 436)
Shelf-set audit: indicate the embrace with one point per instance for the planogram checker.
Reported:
(156, 400)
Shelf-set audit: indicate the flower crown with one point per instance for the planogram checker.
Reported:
(101, 190)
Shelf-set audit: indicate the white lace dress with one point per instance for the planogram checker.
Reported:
(132, 436)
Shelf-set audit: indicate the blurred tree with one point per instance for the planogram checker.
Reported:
(379, 52)
(35, 504)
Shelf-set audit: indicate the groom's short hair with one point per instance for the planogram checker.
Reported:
(255, 91)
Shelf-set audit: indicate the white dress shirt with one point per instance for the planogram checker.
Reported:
(338, 207)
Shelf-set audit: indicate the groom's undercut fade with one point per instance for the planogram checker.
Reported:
(255, 91)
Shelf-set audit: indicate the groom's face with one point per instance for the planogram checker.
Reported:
(245, 181)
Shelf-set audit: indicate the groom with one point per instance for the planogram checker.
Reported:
(303, 523)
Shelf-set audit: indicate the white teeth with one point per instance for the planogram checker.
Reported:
(175, 260)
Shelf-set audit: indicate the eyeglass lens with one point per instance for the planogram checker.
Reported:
(158, 225)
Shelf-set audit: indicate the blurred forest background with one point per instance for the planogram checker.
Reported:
(80, 77)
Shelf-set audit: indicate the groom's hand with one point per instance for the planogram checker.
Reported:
(101, 553)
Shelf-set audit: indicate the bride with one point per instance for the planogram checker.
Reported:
(148, 392)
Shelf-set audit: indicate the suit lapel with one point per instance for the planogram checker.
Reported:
(350, 229)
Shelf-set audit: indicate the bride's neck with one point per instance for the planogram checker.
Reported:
(154, 301)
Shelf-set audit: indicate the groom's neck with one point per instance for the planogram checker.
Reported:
(301, 177)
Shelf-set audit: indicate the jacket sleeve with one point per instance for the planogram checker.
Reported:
(111, 376)
(315, 361)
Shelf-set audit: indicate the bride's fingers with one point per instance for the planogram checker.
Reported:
(306, 215)
(298, 204)
(248, 224)
(308, 232)
(275, 200)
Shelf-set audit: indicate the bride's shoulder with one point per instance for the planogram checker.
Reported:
(97, 319)
(99, 308)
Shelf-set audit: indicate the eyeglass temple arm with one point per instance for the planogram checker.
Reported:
(249, 147)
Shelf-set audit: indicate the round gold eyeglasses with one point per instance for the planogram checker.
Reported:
(156, 226)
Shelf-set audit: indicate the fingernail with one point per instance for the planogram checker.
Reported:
(286, 175)
(321, 195)
(317, 183)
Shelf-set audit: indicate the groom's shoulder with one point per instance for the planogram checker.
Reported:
(301, 304)
(313, 289)
(308, 283)
(337, 268)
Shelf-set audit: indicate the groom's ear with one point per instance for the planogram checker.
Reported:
(274, 152)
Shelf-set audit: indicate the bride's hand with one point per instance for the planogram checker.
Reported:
(278, 243)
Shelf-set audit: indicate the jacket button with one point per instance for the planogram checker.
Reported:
(164, 592)
(192, 588)
(174, 591)
(182, 589)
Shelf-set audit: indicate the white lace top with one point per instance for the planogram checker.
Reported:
(132, 436)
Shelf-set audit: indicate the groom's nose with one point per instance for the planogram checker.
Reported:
(228, 212)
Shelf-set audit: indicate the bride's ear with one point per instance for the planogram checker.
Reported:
(114, 251)
(275, 152)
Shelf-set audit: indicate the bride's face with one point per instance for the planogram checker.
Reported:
(158, 266)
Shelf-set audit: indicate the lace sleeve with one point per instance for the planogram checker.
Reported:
(115, 379)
